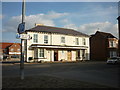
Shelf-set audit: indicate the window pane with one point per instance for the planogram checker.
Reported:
(35, 38)
(77, 41)
(84, 41)
(41, 52)
(45, 39)
(63, 39)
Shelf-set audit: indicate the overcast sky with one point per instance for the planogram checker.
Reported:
(86, 17)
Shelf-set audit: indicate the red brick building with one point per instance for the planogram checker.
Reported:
(103, 45)
(9, 50)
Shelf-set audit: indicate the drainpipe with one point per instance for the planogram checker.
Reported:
(51, 44)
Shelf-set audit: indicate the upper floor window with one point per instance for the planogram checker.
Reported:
(45, 39)
(18, 49)
(84, 41)
(112, 44)
(77, 41)
(62, 39)
(35, 38)
(12, 49)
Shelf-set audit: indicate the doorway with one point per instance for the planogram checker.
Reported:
(69, 55)
(56, 55)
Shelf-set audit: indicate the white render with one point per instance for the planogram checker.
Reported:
(54, 44)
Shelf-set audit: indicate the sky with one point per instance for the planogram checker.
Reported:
(86, 17)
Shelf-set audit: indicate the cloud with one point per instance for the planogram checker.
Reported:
(1, 16)
(46, 19)
(91, 28)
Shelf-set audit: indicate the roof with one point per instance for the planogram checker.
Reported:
(49, 29)
(4, 45)
(104, 34)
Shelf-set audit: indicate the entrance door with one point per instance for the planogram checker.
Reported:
(69, 54)
(55, 55)
(78, 54)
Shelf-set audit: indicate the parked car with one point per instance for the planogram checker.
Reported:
(113, 60)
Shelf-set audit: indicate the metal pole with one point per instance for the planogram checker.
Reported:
(22, 44)
(118, 28)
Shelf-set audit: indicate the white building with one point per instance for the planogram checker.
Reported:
(56, 44)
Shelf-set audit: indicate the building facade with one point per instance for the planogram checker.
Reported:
(56, 44)
(103, 46)
(9, 50)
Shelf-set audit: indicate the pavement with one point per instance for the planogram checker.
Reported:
(97, 72)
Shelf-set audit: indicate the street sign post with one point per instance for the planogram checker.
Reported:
(21, 27)
(23, 36)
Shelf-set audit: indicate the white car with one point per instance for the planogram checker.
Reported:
(113, 60)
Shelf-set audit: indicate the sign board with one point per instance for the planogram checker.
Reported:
(23, 36)
(21, 28)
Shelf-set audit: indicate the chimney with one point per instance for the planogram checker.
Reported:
(39, 24)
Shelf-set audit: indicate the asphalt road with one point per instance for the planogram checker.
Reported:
(94, 72)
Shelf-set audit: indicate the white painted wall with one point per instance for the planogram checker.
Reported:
(56, 40)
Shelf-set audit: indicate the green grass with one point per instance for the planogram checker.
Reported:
(46, 82)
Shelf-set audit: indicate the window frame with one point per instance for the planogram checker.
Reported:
(41, 53)
(46, 39)
(76, 41)
(83, 41)
(35, 38)
(62, 39)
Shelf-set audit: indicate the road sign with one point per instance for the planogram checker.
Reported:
(23, 36)
(21, 28)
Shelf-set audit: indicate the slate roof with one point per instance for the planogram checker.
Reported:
(105, 35)
(49, 29)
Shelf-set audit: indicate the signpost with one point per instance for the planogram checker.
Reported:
(23, 36)
(21, 29)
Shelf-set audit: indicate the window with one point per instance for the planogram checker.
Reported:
(84, 41)
(45, 39)
(112, 44)
(12, 49)
(35, 38)
(62, 39)
(76, 41)
(113, 53)
(41, 52)
(18, 49)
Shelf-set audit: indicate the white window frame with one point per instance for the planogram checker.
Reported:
(41, 53)
(112, 44)
(45, 39)
(77, 41)
(83, 41)
(62, 39)
(35, 38)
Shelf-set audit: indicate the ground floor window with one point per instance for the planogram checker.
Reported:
(113, 54)
(15, 56)
(41, 52)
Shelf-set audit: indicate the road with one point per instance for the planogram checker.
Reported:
(94, 72)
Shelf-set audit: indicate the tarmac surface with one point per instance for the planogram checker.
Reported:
(97, 72)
